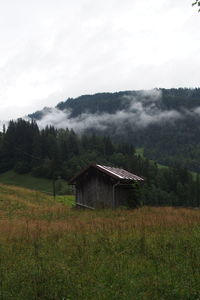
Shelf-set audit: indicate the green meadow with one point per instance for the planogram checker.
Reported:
(49, 250)
(34, 183)
(140, 152)
(27, 181)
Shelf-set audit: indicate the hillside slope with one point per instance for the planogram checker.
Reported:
(19, 201)
(49, 251)
(166, 122)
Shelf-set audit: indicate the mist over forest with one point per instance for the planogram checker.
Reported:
(165, 122)
(108, 129)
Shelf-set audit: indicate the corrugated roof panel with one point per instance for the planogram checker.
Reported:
(120, 173)
(116, 173)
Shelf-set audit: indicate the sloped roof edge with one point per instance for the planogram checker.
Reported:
(115, 173)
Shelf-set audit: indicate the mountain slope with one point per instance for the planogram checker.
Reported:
(166, 122)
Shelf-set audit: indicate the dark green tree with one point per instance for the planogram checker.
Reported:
(197, 2)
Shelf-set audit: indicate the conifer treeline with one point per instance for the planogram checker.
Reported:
(55, 152)
(169, 141)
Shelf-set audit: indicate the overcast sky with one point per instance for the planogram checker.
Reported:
(54, 49)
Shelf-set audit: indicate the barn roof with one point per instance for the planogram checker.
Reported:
(116, 173)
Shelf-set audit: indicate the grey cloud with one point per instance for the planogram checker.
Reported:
(86, 46)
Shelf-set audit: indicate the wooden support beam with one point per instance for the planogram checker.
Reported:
(84, 206)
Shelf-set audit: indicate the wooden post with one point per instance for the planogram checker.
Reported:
(113, 200)
(54, 188)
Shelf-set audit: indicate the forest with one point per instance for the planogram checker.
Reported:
(61, 153)
(165, 122)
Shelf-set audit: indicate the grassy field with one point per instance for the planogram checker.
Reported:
(140, 151)
(26, 181)
(50, 251)
(30, 182)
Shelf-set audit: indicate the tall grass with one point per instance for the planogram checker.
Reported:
(49, 251)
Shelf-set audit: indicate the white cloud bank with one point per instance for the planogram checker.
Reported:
(141, 112)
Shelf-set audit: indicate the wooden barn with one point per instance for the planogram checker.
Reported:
(104, 187)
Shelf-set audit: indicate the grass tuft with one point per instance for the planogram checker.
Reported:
(50, 251)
